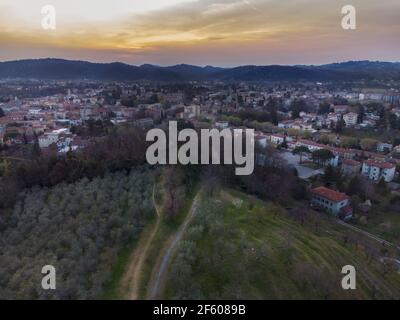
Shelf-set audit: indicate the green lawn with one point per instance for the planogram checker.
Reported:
(250, 249)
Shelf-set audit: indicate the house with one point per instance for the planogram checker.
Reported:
(351, 167)
(191, 112)
(221, 125)
(313, 146)
(333, 117)
(375, 170)
(277, 138)
(52, 137)
(47, 139)
(350, 119)
(332, 201)
(341, 109)
(384, 147)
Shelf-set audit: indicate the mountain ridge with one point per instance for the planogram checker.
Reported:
(62, 69)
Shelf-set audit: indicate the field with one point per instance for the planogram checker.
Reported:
(85, 230)
(240, 247)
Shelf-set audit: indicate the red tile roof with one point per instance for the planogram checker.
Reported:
(330, 194)
(379, 164)
(350, 162)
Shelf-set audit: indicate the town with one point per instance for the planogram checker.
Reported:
(326, 162)
(311, 125)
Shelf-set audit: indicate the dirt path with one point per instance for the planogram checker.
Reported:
(369, 235)
(131, 280)
(158, 278)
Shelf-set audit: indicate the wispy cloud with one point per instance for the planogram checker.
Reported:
(224, 32)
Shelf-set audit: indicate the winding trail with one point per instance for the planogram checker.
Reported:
(131, 280)
(158, 279)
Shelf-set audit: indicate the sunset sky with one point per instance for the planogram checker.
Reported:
(201, 32)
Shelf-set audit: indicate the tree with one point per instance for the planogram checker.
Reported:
(349, 142)
(368, 144)
(340, 125)
(355, 187)
(2, 113)
(333, 176)
(381, 187)
(361, 113)
(324, 108)
(298, 106)
(301, 151)
(322, 156)
(36, 151)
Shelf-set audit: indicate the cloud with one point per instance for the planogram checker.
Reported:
(262, 31)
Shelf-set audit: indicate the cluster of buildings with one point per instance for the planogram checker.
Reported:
(49, 119)
(311, 121)
(374, 166)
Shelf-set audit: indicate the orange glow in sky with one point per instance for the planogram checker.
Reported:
(224, 32)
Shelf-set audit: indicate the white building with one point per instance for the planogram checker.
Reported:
(332, 201)
(350, 119)
(384, 147)
(222, 125)
(47, 139)
(277, 138)
(375, 170)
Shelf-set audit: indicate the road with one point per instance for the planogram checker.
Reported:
(304, 172)
(131, 280)
(158, 279)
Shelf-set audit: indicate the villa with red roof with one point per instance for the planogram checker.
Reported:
(375, 170)
(334, 202)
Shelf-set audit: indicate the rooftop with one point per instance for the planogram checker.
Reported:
(350, 162)
(379, 164)
(330, 194)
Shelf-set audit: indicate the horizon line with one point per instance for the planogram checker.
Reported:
(200, 66)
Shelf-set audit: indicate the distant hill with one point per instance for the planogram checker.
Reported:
(58, 69)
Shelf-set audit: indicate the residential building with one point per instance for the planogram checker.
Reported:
(221, 125)
(277, 138)
(375, 170)
(332, 201)
(384, 147)
(350, 119)
(351, 167)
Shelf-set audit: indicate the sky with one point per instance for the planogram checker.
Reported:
(201, 32)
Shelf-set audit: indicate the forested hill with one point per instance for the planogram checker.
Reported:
(78, 228)
(66, 69)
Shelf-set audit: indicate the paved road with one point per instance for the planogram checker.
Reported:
(304, 172)
(156, 284)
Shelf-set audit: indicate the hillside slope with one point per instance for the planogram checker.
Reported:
(241, 248)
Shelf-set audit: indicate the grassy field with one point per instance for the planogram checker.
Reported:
(362, 134)
(383, 223)
(239, 247)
